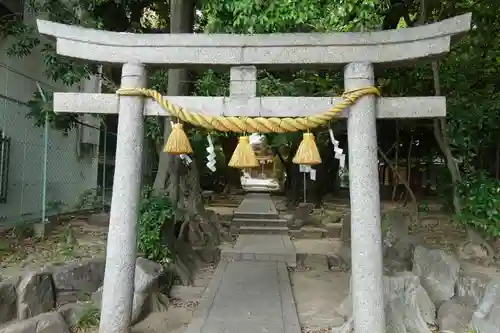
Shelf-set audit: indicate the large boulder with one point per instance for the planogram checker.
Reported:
(438, 272)
(8, 301)
(398, 244)
(455, 314)
(476, 249)
(407, 304)
(486, 319)
(85, 276)
(146, 276)
(341, 261)
(35, 294)
(471, 286)
(410, 302)
(147, 297)
(50, 322)
(74, 312)
(301, 216)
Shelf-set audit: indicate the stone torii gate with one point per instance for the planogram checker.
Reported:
(358, 52)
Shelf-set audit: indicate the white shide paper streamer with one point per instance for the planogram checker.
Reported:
(211, 155)
(308, 169)
(338, 151)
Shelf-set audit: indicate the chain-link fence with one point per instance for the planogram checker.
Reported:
(46, 172)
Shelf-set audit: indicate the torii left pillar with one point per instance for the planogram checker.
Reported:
(118, 290)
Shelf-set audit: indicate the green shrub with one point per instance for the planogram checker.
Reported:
(480, 199)
(89, 318)
(155, 211)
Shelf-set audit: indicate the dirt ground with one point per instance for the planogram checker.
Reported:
(73, 241)
(317, 291)
(76, 240)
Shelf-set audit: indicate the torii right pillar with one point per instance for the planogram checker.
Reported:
(366, 235)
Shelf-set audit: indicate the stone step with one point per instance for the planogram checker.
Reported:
(259, 230)
(309, 232)
(334, 230)
(238, 222)
(257, 216)
(290, 259)
(223, 204)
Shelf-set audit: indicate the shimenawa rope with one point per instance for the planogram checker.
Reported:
(244, 156)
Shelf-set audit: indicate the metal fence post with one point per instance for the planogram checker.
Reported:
(104, 164)
(41, 230)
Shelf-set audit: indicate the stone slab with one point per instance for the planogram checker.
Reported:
(333, 230)
(249, 222)
(263, 230)
(262, 248)
(387, 107)
(257, 206)
(285, 50)
(247, 297)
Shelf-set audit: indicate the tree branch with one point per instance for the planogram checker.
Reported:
(395, 171)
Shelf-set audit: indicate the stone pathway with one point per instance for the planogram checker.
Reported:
(263, 248)
(250, 291)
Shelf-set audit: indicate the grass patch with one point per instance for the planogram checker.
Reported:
(89, 319)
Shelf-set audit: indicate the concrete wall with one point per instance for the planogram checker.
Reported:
(68, 175)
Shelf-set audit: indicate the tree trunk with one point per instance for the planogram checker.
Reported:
(326, 175)
(233, 175)
(293, 181)
(175, 177)
(439, 126)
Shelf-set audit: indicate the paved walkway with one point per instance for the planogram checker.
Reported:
(247, 297)
(263, 248)
(251, 292)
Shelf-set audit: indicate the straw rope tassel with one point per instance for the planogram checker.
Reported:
(178, 142)
(243, 156)
(307, 153)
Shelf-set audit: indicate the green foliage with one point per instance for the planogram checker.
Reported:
(89, 318)
(24, 37)
(155, 212)
(41, 107)
(55, 207)
(249, 16)
(468, 76)
(64, 70)
(481, 203)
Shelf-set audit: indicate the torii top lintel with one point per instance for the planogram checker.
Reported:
(302, 50)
